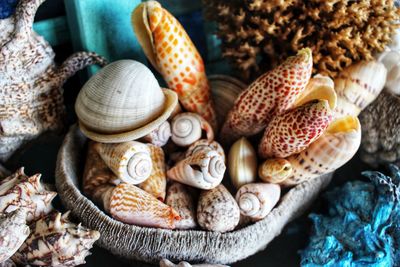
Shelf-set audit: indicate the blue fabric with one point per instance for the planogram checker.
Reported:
(362, 227)
(7, 8)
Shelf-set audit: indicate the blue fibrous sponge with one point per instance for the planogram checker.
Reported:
(362, 227)
(7, 8)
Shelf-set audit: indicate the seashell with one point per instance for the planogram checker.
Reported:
(132, 205)
(204, 169)
(180, 199)
(188, 127)
(205, 144)
(293, 131)
(159, 136)
(172, 53)
(270, 94)
(20, 191)
(167, 263)
(13, 232)
(156, 184)
(224, 90)
(358, 85)
(123, 102)
(55, 241)
(242, 163)
(217, 210)
(391, 61)
(258, 199)
(130, 161)
(275, 170)
(8, 263)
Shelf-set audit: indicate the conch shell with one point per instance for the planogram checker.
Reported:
(217, 210)
(203, 144)
(258, 199)
(13, 233)
(130, 161)
(159, 136)
(204, 169)
(271, 94)
(331, 151)
(180, 199)
(188, 127)
(20, 191)
(242, 163)
(55, 241)
(172, 53)
(167, 263)
(156, 184)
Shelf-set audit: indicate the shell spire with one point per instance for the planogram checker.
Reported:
(159, 136)
(204, 144)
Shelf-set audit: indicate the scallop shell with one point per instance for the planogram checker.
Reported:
(159, 136)
(204, 169)
(188, 127)
(156, 184)
(172, 53)
(242, 163)
(358, 85)
(180, 199)
(132, 205)
(270, 94)
(205, 144)
(20, 191)
(130, 161)
(217, 210)
(55, 241)
(167, 263)
(13, 232)
(293, 131)
(258, 199)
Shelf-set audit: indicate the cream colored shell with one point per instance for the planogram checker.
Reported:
(159, 136)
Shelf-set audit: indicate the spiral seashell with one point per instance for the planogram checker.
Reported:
(275, 170)
(293, 131)
(204, 169)
(188, 127)
(270, 94)
(391, 61)
(159, 136)
(156, 184)
(180, 199)
(172, 53)
(258, 199)
(55, 241)
(205, 144)
(217, 210)
(130, 161)
(167, 263)
(13, 232)
(20, 191)
(242, 163)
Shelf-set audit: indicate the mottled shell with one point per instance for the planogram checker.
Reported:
(204, 169)
(13, 232)
(172, 53)
(20, 191)
(242, 163)
(181, 199)
(358, 85)
(188, 127)
(217, 210)
(203, 144)
(270, 94)
(256, 200)
(391, 61)
(159, 136)
(130, 161)
(167, 263)
(132, 205)
(156, 184)
(55, 241)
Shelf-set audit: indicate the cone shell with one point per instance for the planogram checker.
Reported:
(55, 241)
(156, 184)
(172, 53)
(130, 161)
(20, 191)
(204, 169)
(188, 127)
(167, 263)
(132, 205)
(358, 85)
(258, 199)
(242, 163)
(272, 93)
(159, 136)
(13, 232)
(205, 144)
(217, 210)
(180, 199)
(293, 131)
(275, 170)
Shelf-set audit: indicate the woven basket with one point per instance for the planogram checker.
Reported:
(150, 244)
